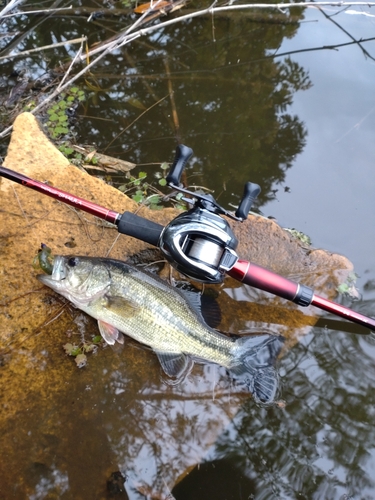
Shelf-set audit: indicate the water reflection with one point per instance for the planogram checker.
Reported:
(321, 444)
(65, 441)
(231, 100)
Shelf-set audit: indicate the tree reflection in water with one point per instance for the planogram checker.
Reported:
(321, 444)
(233, 101)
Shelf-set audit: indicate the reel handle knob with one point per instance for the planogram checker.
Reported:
(250, 193)
(183, 155)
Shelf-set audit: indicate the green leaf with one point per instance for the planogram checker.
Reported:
(164, 166)
(142, 175)
(163, 182)
(74, 90)
(61, 130)
(54, 117)
(137, 197)
(153, 199)
(66, 150)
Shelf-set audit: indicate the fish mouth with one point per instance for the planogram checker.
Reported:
(58, 273)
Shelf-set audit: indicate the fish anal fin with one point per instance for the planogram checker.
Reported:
(109, 333)
(176, 365)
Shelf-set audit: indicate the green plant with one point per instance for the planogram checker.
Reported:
(149, 194)
(79, 351)
(58, 120)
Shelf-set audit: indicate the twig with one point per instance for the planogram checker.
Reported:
(281, 6)
(132, 123)
(121, 39)
(366, 53)
(83, 39)
(45, 47)
(11, 5)
(43, 11)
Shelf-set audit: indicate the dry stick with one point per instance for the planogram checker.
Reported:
(43, 11)
(123, 35)
(45, 47)
(11, 5)
(83, 39)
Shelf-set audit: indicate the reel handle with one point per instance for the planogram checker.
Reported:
(183, 155)
(251, 191)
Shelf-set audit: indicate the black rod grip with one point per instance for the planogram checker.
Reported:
(140, 228)
(183, 155)
(250, 192)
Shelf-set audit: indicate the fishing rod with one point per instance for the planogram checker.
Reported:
(199, 243)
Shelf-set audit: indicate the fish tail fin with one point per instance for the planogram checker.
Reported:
(254, 365)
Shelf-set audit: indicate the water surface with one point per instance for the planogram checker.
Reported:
(299, 124)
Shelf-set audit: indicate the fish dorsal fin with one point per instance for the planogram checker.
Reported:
(205, 306)
(175, 364)
(120, 305)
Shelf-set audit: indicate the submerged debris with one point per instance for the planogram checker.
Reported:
(79, 351)
(115, 483)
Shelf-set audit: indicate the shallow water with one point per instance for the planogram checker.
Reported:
(301, 125)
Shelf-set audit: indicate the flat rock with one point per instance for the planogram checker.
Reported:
(63, 422)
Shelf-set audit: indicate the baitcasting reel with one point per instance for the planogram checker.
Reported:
(200, 243)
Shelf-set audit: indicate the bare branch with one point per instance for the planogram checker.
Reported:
(42, 11)
(45, 47)
(11, 5)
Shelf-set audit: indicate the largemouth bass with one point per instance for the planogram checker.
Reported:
(126, 300)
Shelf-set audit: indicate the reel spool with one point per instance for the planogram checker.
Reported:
(200, 243)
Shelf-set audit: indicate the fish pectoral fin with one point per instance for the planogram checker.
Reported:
(109, 333)
(120, 305)
(175, 364)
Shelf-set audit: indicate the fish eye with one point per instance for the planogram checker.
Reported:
(73, 261)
